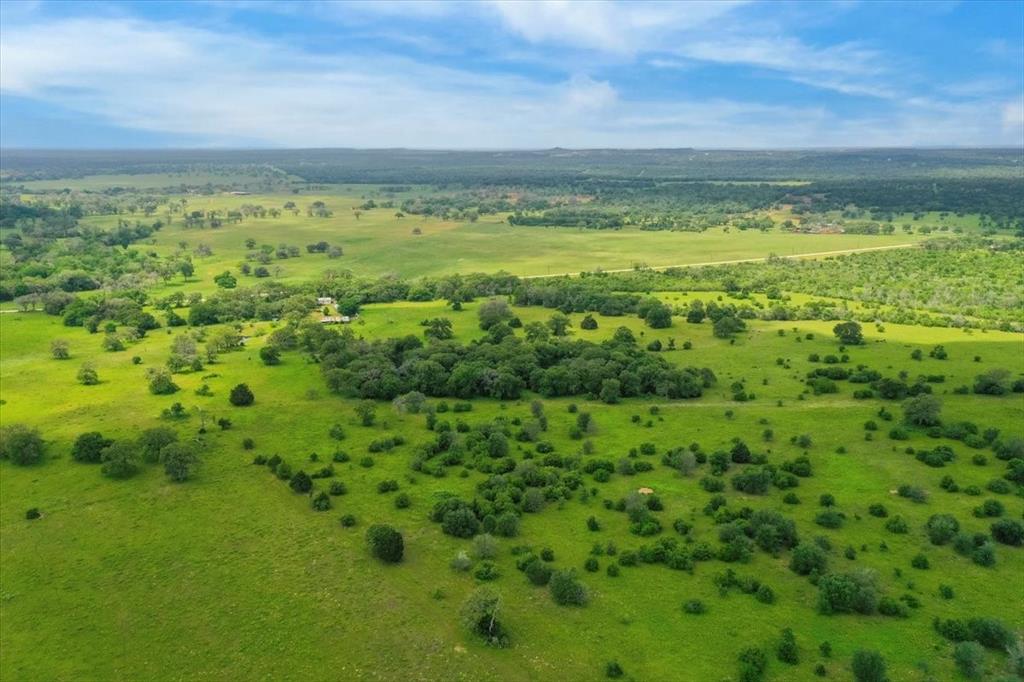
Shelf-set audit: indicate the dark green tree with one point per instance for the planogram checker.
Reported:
(121, 460)
(386, 543)
(89, 447)
(180, 461)
(849, 333)
(21, 445)
(922, 410)
(868, 666)
(301, 482)
(241, 396)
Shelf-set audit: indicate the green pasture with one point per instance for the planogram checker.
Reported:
(232, 576)
(377, 242)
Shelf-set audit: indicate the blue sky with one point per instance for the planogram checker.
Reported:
(511, 74)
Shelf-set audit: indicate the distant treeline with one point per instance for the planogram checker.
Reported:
(541, 167)
(996, 197)
(621, 182)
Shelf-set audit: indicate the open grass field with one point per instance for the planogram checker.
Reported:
(377, 243)
(232, 576)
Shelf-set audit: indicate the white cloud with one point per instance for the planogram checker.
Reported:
(1013, 116)
(683, 34)
(605, 26)
(784, 54)
(583, 93)
(230, 89)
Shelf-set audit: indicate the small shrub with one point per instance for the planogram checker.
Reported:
(787, 650)
(566, 589)
(694, 606)
(461, 562)
(486, 572)
(970, 659)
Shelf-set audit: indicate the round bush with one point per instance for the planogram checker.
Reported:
(321, 502)
(386, 543)
(241, 396)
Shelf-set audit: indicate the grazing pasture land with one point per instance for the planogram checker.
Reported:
(243, 439)
(378, 242)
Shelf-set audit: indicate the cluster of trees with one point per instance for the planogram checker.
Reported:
(470, 205)
(501, 366)
(124, 458)
(586, 218)
(52, 252)
(324, 247)
(302, 483)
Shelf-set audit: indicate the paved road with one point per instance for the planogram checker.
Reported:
(739, 260)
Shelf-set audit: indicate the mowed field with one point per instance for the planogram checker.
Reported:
(232, 576)
(377, 242)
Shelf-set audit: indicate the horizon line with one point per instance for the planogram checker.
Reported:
(951, 147)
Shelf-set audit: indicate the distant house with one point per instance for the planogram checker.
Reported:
(325, 300)
(240, 194)
(332, 319)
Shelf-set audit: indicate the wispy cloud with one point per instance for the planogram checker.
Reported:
(606, 26)
(251, 87)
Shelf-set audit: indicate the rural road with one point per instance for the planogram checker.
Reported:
(738, 260)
